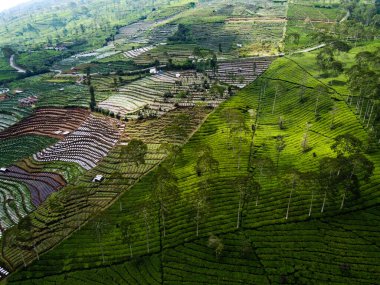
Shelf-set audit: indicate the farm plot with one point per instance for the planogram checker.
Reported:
(87, 145)
(315, 14)
(49, 92)
(17, 148)
(15, 203)
(178, 53)
(52, 122)
(240, 72)
(11, 112)
(86, 57)
(157, 93)
(267, 249)
(137, 52)
(84, 199)
(40, 185)
(232, 35)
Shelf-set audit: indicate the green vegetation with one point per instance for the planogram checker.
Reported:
(253, 249)
(14, 149)
(192, 160)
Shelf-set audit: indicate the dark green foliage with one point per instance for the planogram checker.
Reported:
(134, 152)
(183, 34)
(92, 98)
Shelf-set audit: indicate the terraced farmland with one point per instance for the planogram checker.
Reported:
(85, 146)
(197, 142)
(242, 72)
(85, 198)
(267, 248)
(158, 93)
(52, 122)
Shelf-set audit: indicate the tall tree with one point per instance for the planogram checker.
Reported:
(216, 244)
(127, 234)
(199, 201)
(92, 98)
(206, 163)
(279, 147)
(145, 212)
(134, 152)
(164, 191)
(247, 188)
(291, 179)
(346, 144)
(265, 167)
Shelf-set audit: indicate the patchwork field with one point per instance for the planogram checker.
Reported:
(259, 250)
(190, 142)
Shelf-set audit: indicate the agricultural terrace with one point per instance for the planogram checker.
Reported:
(14, 149)
(362, 104)
(87, 145)
(240, 72)
(70, 208)
(295, 232)
(177, 53)
(52, 122)
(50, 92)
(21, 192)
(66, 26)
(11, 112)
(160, 93)
(305, 19)
(248, 28)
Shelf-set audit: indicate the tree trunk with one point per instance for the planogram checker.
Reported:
(366, 111)
(163, 222)
(324, 201)
(290, 197)
(35, 250)
(370, 115)
(361, 109)
(147, 237)
(257, 200)
(197, 221)
(311, 202)
(316, 106)
(274, 102)
(342, 204)
(238, 215)
(358, 104)
(239, 152)
(130, 250)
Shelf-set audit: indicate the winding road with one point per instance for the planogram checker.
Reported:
(13, 65)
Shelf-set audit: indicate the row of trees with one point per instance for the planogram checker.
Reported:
(364, 85)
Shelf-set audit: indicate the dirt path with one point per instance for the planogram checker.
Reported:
(310, 49)
(14, 66)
